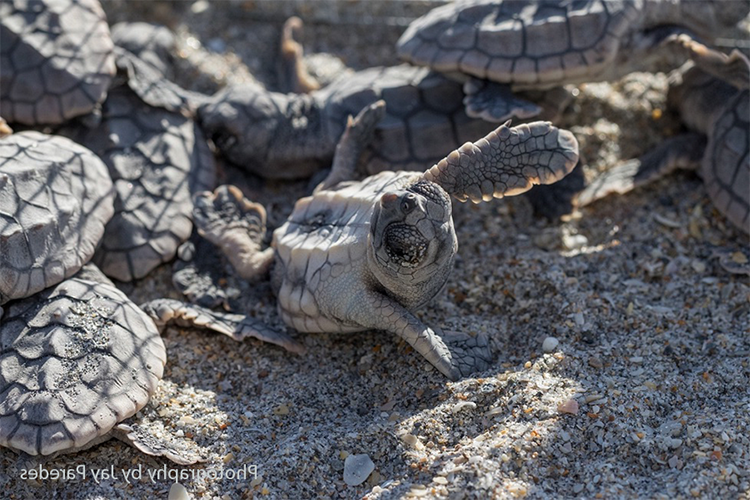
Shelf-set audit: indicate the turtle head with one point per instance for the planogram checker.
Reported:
(411, 234)
(241, 120)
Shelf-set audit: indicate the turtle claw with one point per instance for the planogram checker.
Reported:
(469, 354)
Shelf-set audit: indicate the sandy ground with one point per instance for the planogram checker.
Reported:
(644, 394)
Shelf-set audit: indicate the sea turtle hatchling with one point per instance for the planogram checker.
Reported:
(709, 107)
(157, 158)
(75, 359)
(547, 43)
(56, 59)
(288, 135)
(362, 255)
(76, 356)
(55, 198)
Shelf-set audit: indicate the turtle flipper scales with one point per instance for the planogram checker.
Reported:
(495, 102)
(236, 326)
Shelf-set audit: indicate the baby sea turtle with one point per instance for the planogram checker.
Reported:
(278, 135)
(56, 59)
(76, 356)
(288, 135)
(362, 255)
(710, 107)
(157, 159)
(548, 43)
(75, 360)
(55, 198)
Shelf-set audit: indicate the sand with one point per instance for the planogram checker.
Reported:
(621, 345)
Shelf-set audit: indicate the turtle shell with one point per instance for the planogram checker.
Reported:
(726, 163)
(158, 159)
(531, 44)
(74, 360)
(56, 59)
(425, 117)
(55, 198)
(325, 235)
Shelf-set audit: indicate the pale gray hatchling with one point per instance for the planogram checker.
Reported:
(546, 43)
(359, 256)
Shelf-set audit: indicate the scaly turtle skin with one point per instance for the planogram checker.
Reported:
(75, 360)
(362, 255)
(55, 198)
(710, 107)
(56, 59)
(548, 43)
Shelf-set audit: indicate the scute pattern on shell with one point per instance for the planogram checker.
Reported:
(55, 198)
(726, 164)
(520, 42)
(74, 360)
(158, 159)
(425, 116)
(56, 59)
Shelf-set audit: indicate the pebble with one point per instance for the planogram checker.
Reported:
(463, 405)
(570, 407)
(357, 468)
(595, 362)
(199, 7)
(178, 492)
(550, 344)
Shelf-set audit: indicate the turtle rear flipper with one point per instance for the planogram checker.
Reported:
(5, 129)
(236, 326)
(681, 152)
(237, 226)
(292, 70)
(733, 68)
(356, 137)
(495, 102)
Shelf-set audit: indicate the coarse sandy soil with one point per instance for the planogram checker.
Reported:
(645, 395)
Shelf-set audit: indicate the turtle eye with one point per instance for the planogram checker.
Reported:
(408, 203)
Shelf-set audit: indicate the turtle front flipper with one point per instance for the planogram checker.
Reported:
(153, 88)
(455, 355)
(495, 102)
(506, 162)
(236, 326)
(180, 450)
(236, 225)
(681, 152)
